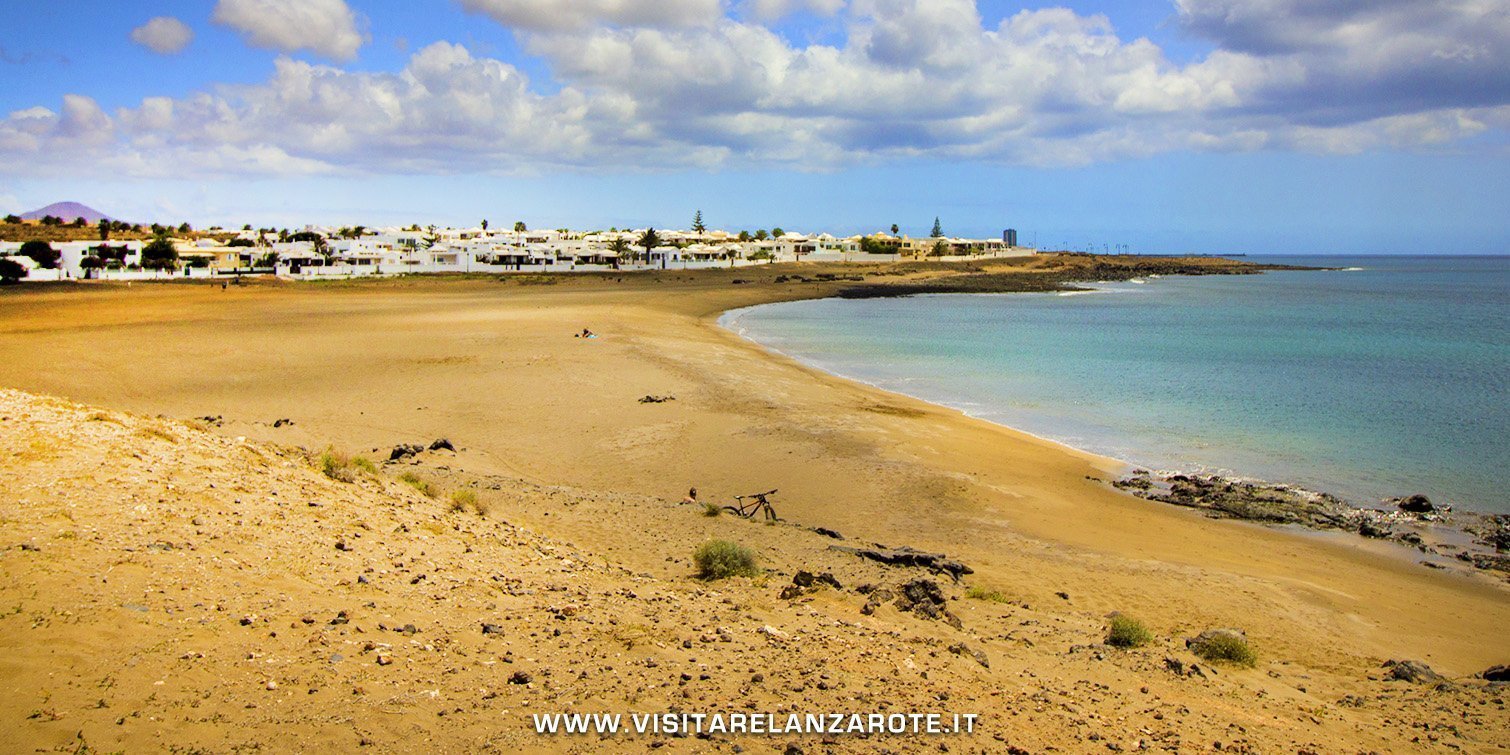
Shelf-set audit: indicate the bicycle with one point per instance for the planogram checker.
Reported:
(758, 502)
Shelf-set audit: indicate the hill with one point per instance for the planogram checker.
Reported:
(68, 211)
(168, 587)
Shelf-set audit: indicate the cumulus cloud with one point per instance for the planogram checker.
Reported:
(1364, 60)
(164, 35)
(771, 10)
(640, 86)
(326, 27)
(567, 15)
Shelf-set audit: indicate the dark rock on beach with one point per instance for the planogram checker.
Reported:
(1415, 504)
(1414, 672)
(1496, 674)
(403, 451)
(1414, 520)
(442, 444)
(938, 563)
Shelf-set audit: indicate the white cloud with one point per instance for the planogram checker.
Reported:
(567, 15)
(908, 78)
(164, 35)
(326, 27)
(771, 10)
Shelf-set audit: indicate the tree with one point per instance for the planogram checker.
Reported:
(744, 235)
(159, 254)
(90, 264)
(697, 223)
(519, 226)
(938, 230)
(484, 225)
(241, 242)
(761, 235)
(51, 220)
(41, 253)
(650, 240)
(184, 228)
(940, 248)
(12, 219)
(11, 271)
(895, 229)
(777, 233)
(247, 227)
(104, 229)
(79, 222)
(619, 246)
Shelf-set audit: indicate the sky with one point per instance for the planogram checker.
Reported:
(1224, 126)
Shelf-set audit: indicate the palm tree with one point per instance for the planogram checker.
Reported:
(620, 247)
(650, 240)
(894, 229)
(484, 225)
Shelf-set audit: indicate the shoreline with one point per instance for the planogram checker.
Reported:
(1419, 538)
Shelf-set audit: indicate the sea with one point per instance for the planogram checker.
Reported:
(1383, 378)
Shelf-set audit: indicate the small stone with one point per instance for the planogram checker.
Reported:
(271, 685)
(519, 677)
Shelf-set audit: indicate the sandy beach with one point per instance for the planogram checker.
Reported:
(550, 432)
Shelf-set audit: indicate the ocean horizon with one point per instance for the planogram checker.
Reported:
(1384, 378)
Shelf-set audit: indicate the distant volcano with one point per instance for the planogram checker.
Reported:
(68, 211)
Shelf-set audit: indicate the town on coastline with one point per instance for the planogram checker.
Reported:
(319, 252)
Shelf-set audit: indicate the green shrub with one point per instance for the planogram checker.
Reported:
(364, 465)
(337, 466)
(415, 481)
(711, 509)
(981, 593)
(1127, 632)
(461, 500)
(717, 559)
(1224, 647)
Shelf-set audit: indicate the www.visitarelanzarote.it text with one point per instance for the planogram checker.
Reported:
(755, 723)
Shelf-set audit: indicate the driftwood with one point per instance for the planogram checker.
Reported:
(938, 563)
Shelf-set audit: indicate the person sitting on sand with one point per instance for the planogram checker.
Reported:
(691, 496)
(587, 334)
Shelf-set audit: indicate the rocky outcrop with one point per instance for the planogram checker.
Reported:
(1414, 672)
(938, 563)
(1415, 504)
(1415, 520)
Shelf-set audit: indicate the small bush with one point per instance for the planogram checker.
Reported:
(414, 481)
(711, 509)
(1225, 647)
(717, 559)
(364, 465)
(461, 500)
(981, 593)
(337, 466)
(1127, 632)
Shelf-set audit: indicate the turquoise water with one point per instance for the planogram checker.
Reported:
(1385, 379)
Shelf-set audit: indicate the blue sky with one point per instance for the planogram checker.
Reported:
(1187, 125)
